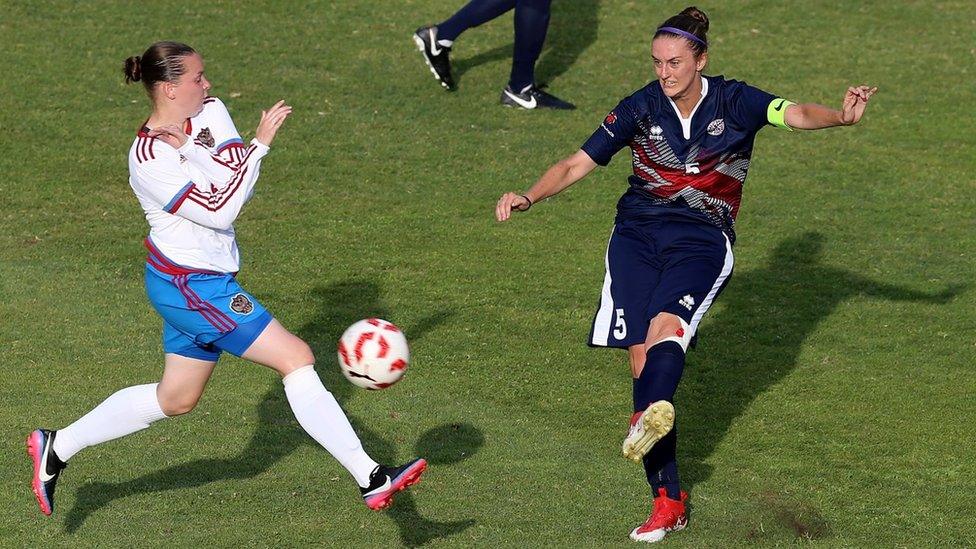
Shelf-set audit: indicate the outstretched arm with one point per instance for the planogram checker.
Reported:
(811, 116)
(562, 174)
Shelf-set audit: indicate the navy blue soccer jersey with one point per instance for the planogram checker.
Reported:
(685, 170)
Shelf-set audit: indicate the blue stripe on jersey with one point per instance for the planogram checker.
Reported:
(230, 142)
(174, 204)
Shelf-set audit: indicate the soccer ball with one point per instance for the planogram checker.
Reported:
(373, 354)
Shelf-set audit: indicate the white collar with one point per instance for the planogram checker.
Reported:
(686, 122)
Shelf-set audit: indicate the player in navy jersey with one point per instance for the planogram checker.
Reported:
(670, 251)
(192, 174)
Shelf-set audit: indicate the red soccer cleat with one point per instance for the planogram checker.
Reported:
(668, 515)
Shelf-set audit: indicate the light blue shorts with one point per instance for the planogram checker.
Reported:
(205, 313)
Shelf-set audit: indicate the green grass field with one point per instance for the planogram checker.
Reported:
(830, 398)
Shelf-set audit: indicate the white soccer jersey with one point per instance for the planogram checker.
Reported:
(214, 128)
(192, 195)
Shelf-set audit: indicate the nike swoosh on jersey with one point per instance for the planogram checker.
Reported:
(434, 50)
(527, 104)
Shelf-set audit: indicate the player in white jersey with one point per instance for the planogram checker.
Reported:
(192, 175)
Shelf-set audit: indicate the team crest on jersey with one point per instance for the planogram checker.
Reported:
(716, 127)
(206, 137)
(611, 118)
(241, 305)
(656, 132)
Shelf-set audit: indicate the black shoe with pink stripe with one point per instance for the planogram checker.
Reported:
(47, 467)
(385, 482)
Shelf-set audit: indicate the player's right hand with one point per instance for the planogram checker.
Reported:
(171, 134)
(271, 120)
(508, 203)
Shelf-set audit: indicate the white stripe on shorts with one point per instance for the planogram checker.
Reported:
(601, 326)
(707, 302)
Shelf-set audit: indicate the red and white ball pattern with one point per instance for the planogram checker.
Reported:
(373, 353)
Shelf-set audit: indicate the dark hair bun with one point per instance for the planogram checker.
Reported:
(133, 69)
(697, 15)
(162, 62)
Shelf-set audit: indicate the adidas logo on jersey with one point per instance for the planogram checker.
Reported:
(687, 302)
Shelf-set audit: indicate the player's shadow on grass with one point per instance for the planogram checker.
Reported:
(755, 340)
(278, 433)
(572, 28)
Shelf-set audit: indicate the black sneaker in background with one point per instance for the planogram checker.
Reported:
(533, 98)
(438, 57)
(47, 467)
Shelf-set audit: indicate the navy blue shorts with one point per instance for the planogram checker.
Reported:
(656, 266)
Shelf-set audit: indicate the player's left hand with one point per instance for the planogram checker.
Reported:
(171, 134)
(855, 100)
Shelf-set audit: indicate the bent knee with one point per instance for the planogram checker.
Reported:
(303, 355)
(297, 356)
(668, 327)
(177, 406)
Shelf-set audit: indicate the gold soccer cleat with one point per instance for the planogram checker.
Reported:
(646, 428)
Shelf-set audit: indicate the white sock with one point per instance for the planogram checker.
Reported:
(125, 412)
(320, 415)
(445, 43)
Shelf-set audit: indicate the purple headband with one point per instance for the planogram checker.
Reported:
(685, 34)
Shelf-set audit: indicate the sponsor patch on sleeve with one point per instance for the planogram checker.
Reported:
(610, 119)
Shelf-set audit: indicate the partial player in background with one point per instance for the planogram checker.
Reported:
(670, 251)
(531, 23)
(192, 175)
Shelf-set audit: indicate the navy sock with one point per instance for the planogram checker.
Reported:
(661, 374)
(531, 24)
(661, 466)
(474, 13)
(659, 381)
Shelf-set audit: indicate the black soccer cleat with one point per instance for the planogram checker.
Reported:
(533, 98)
(47, 467)
(438, 57)
(385, 482)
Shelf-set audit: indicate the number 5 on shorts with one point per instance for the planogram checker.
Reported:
(620, 328)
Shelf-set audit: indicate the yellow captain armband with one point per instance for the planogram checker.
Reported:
(776, 112)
